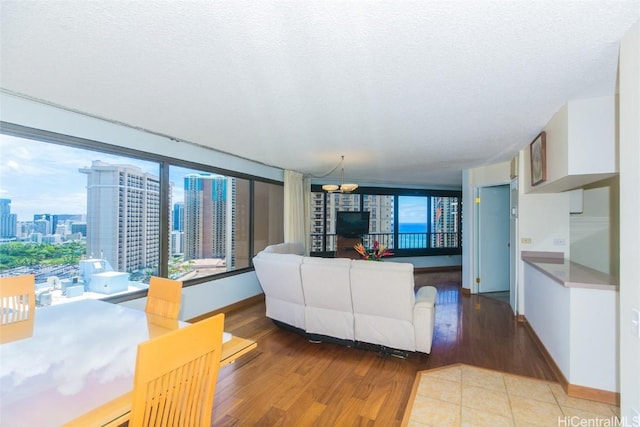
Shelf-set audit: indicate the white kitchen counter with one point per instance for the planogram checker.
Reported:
(573, 310)
(568, 273)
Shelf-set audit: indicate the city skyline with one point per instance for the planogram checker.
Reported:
(56, 186)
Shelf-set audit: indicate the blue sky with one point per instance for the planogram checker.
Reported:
(44, 178)
(412, 209)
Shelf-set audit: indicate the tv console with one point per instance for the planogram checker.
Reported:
(344, 247)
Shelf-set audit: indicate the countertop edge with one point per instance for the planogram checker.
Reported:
(575, 275)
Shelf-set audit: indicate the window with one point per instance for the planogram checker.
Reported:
(210, 223)
(410, 222)
(381, 219)
(92, 220)
(83, 222)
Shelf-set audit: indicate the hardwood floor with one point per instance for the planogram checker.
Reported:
(289, 381)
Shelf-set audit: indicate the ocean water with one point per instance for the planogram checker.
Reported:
(407, 241)
(412, 227)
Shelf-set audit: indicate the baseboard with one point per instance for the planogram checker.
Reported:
(604, 396)
(229, 308)
(581, 392)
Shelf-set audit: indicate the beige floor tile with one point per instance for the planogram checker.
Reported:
(616, 410)
(414, 423)
(485, 400)
(484, 378)
(471, 396)
(434, 412)
(529, 387)
(534, 412)
(474, 417)
(437, 388)
(453, 373)
(591, 418)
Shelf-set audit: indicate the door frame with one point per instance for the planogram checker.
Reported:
(475, 242)
(501, 194)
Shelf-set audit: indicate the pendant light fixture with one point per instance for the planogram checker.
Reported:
(342, 188)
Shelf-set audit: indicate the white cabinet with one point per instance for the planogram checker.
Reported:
(581, 146)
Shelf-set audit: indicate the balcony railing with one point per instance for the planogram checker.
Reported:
(402, 242)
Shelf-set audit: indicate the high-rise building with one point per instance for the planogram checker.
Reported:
(176, 243)
(42, 224)
(206, 203)
(8, 221)
(444, 222)
(123, 216)
(178, 217)
(80, 228)
(382, 218)
(323, 215)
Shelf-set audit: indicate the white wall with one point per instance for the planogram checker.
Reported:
(543, 223)
(431, 261)
(206, 297)
(629, 79)
(197, 299)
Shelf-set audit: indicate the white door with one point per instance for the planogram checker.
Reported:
(493, 234)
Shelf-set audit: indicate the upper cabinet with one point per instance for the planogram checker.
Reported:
(580, 146)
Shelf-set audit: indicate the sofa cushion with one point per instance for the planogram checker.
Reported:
(383, 299)
(424, 317)
(383, 288)
(327, 294)
(296, 248)
(279, 276)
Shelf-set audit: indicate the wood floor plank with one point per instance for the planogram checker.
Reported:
(289, 381)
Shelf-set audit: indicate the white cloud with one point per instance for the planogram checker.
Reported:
(42, 177)
(12, 165)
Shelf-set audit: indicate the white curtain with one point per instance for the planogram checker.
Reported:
(297, 191)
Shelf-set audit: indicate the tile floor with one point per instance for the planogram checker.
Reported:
(464, 395)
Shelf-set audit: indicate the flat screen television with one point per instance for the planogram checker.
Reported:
(352, 224)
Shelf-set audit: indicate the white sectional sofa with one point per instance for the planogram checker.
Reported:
(357, 301)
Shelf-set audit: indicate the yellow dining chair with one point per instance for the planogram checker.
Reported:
(17, 307)
(159, 325)
(163, 297)
(175, 376)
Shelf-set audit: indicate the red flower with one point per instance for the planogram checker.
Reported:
(375, 254)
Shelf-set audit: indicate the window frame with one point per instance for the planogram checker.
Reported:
(164, 163)
(397, 192)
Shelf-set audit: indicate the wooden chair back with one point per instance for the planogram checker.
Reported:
(164, 297)
(17, 298)
(17, 307)
(159, 325)
(176, 374)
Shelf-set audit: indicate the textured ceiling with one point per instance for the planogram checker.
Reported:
(410, 92)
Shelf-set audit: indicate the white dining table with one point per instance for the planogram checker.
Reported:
(79, 357)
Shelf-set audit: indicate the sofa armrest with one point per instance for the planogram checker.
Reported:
(424, 317)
